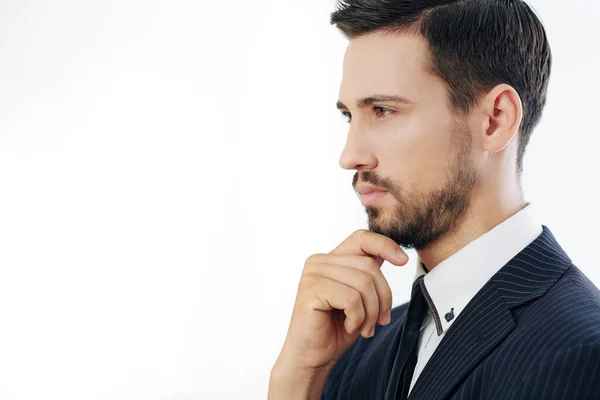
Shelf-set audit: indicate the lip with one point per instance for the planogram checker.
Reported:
(370, 194)
(372, 197)
(363, 189)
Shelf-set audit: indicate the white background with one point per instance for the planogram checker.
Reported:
(167, 167)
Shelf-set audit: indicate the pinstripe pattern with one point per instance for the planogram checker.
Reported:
(532, 332)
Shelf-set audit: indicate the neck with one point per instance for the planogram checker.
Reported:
(484, 214)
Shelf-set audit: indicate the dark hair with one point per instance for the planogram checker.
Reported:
(474, 45)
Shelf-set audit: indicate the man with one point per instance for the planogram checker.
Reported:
(441, 99)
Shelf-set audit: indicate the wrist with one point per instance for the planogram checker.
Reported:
(290, 382)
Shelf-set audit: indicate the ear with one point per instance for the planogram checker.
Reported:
(503, 110)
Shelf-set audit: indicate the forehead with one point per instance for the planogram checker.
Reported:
(377, 63)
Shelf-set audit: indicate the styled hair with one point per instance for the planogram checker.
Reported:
(474, 46)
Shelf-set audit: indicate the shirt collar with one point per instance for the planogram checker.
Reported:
(456, 280)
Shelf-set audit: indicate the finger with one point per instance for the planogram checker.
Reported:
(332, 266)
(361, 281)
(366, 243)
(330, 294)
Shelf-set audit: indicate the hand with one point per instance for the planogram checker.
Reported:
(340, 295)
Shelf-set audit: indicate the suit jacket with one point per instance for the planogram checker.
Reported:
(531, 332)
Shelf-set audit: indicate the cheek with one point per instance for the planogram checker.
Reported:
(418, 154)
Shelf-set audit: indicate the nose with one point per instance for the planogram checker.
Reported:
(356, 154)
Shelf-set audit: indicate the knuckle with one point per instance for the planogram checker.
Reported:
(309, 268)
(360, 233)
(366, 279)
(308, 278)
(355, 299)
(371, 263)
(305, 299)
(386, 299)
(313, 258)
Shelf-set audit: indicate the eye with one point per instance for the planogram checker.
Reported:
(347, 116)
(381, 110)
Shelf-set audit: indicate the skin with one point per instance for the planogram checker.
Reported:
(450, 178)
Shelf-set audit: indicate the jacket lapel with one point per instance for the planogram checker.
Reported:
(488, 319)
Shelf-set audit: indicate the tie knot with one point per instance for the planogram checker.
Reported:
(418, 305)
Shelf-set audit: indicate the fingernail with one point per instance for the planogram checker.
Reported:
(400, 254)
(387, 318)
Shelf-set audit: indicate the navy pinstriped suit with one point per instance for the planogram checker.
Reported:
(532, 332)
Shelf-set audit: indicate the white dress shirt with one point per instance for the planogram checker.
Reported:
(456, 280)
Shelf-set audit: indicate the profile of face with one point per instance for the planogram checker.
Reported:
(416, 148)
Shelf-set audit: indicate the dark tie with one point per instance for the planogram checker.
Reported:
(407, 350)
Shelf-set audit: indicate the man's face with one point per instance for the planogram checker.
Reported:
(419, 151)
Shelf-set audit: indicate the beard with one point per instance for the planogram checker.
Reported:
(421, 218)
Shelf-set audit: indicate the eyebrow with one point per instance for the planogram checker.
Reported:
(361, 103)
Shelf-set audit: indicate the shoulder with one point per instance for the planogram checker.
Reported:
(584, 285)
(573, 301)
(561, 333)
(571, 373)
